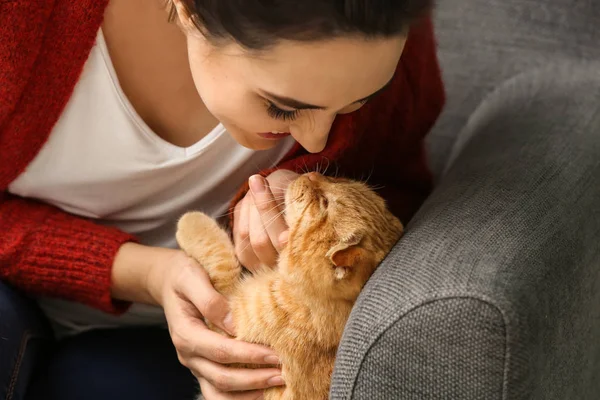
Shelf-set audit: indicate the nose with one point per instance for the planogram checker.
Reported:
(313, 176)
(313, 134)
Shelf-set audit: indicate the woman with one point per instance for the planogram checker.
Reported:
(115, 119)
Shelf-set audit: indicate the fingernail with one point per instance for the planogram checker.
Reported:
(284, 237)
(272, 360)
(276, 381)
(229, 326)
(257, 183)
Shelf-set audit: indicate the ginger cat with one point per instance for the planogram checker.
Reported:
(340, 230)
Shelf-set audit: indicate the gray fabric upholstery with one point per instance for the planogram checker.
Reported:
(483, 43)
(494, 292)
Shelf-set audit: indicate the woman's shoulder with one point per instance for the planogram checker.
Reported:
(22, 27)
(417, 90)
(38, 36)
(406, 111)
(43, 47)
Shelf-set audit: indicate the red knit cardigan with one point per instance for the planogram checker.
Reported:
(43, 47)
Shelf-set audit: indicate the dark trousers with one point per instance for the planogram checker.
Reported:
(118, 364)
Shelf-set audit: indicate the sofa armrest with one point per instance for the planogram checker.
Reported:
(494, 292)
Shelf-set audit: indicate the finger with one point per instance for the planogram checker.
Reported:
(237, 231)
(240, 221)
(243, 247)
(209, 392)
(260, 240)
(227, 379)
(284, 237)
(268, 208)
(199, 291)
(198, 341)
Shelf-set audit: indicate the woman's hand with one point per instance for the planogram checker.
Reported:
(259, 228)
(183, 289)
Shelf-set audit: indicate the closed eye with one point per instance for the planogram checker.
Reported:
(324, 202)
(278, 113)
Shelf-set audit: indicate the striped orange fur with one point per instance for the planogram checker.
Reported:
(340, 230)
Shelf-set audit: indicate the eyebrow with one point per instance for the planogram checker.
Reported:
(300, 105)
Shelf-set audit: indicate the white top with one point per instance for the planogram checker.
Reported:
(102, 161)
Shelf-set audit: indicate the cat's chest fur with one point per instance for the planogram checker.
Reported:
(269, 310)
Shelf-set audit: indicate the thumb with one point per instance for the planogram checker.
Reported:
(284, 237)
(212, 305)
(270, 213)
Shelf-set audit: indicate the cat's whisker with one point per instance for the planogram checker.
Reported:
(328, 165)
(370, 175)
(362, 177)
(246, 246)
(231, 212)
(267, 224)
(273, 219)
(278, 187)
(227, 214)
(305, 167)
(273, 208)
(376, 187)
(277, 197)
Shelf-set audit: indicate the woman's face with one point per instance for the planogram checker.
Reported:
(295, 88)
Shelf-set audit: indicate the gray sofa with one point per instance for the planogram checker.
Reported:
(494, 292)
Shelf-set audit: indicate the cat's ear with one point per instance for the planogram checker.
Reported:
(346, 255)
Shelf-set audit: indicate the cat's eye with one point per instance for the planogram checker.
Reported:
(324, 202)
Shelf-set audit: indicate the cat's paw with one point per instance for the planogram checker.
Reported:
(194, 221)
(196, 229)
(203, 239)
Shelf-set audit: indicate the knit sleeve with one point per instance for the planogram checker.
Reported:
(47, 252)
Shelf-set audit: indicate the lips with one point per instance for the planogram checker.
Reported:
(270, 135)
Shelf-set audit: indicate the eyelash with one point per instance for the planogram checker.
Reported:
(286, 115)
(277, 113)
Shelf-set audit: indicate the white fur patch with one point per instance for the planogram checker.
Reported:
(340, 273)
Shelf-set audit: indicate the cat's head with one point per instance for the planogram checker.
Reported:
(340, 230)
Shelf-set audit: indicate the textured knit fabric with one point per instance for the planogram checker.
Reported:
(43, 46)
(482, 43)
(494, 293)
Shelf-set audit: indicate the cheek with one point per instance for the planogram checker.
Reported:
(228, 97)
(233, 103)
(351, 109)
(220, 96)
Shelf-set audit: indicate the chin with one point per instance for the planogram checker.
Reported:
(254, 143)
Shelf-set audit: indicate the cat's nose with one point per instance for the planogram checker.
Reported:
(313, 176)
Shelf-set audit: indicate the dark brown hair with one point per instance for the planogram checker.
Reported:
(258, 24)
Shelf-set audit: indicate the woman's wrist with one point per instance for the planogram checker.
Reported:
(138, 271)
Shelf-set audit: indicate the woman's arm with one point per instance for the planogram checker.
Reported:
(45, 251)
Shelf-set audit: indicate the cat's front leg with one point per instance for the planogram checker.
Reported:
(275, 393)
(201, 238)
(307, 378)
